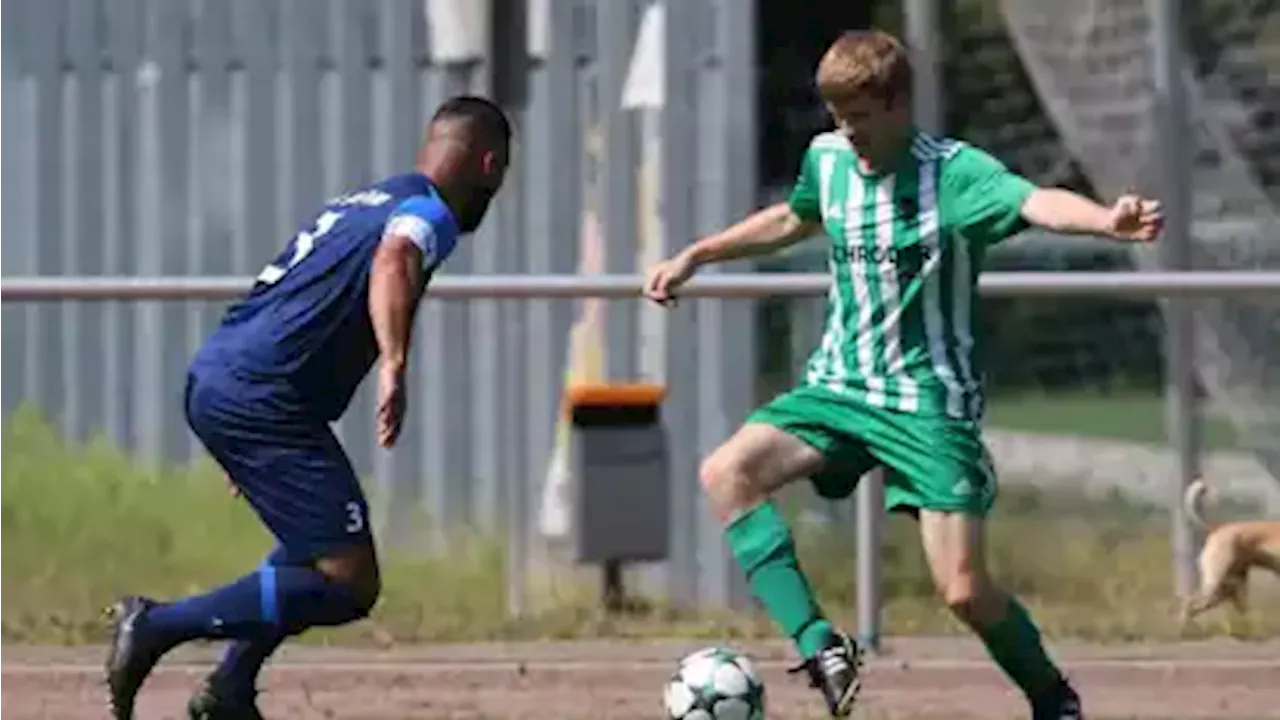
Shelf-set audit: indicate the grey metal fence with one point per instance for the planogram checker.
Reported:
(188, 137)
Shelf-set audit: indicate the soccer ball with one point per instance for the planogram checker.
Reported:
(714, 684)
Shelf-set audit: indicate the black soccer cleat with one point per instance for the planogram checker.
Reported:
(835, 671)
(210, 703)
(1061, 703)
(131, 657)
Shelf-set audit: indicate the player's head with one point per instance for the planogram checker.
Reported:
(864, 79)
(465, 153)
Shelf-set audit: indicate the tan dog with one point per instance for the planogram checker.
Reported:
(1231, 549)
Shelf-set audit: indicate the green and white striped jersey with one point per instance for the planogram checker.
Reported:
(906, 249)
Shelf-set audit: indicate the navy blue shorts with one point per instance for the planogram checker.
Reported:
(292, 471)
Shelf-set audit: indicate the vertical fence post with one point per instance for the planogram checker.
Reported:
(728, 191)
(869, 524)
(709, 68)
(616, 22)
(923, 22)
(678, 167)
(1173, 141)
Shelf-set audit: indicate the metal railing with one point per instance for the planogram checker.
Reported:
(755, 285)
(746, 285)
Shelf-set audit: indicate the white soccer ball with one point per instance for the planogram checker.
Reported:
(714, 684)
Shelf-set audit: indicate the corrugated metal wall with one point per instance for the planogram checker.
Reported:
(192, 137)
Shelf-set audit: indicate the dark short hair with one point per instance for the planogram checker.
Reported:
(478, 110)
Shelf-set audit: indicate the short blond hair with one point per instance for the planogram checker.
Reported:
(864, 62)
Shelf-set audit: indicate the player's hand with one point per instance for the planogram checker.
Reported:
(232, 487)
(391, 404)
(667, 276)
(1136, 218)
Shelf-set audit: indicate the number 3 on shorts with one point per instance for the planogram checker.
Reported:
(355, 517)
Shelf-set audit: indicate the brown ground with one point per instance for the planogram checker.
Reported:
(915, 678)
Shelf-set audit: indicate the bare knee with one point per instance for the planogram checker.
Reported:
(356, 568)
(973, 598)
(954, 545)
(754, 463)
(727, 481)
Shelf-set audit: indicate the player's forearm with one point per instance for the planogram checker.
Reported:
(392, 290)
(761, 233)
(1066, 212)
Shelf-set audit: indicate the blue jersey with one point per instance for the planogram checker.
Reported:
(302, 338)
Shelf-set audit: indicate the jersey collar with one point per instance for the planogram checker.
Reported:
(902, 157)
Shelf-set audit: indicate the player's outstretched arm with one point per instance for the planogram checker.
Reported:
(987, 203)
(763, 232)
(1133, 217)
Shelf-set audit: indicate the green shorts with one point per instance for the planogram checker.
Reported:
(930, 462)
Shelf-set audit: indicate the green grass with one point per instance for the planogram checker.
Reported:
(1133, 416)
(84, 524)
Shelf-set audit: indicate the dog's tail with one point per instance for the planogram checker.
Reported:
(1193, 501)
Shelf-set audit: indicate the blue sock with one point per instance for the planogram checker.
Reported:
(269, 602)
(237, 672)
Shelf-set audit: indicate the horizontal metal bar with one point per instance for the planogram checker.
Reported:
(743, 285)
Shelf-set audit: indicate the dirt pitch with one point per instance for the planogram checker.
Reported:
(913, 678)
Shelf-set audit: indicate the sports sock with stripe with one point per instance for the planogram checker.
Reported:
(268, 602)
(242, 661)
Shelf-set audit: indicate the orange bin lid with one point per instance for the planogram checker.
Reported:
(615, 395)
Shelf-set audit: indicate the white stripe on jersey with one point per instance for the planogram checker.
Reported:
(838, 371)
(419, 231)
(891, 299)
(935, 324)
(961, 293)
(864, 341)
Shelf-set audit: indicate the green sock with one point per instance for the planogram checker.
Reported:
(1014, 643)
(764, 549)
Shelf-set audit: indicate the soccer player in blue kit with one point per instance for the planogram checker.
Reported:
(281, 366)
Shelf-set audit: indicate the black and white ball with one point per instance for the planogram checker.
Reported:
(714, 684)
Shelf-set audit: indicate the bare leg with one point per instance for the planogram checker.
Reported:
(954, 546)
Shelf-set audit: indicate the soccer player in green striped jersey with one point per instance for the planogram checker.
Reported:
(895, 382)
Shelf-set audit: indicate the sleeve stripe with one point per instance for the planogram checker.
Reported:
(419, 231)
